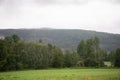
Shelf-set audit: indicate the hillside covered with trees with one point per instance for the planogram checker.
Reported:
(16, 54)
(65, 39)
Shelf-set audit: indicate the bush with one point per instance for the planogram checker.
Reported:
(90, 63)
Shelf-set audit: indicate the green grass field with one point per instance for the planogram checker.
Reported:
(63, 74)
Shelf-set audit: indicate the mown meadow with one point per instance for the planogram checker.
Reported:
(62, 74)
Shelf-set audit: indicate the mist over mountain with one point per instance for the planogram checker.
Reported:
(98, 15)
(65, 38)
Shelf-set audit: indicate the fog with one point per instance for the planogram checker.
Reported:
(98, 15)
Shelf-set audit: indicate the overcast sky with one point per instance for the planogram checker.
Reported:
(99, 15)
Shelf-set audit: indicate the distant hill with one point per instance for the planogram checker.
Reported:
(64, 38)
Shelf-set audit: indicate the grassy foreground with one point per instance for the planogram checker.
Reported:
(63, 74)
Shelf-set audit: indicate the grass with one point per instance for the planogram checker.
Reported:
(63, 74)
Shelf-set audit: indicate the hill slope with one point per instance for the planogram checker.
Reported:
(66, 39)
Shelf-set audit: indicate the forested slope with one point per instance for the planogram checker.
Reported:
(66, 39)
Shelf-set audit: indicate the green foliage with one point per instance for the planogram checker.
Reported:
(114, 57)
(111, 57)
(117, 58)
(91, 53)
(16, 54)
(12, 39)
(3, 54)
(15, 38)
(90, 63)
(70, 59)
(81, 49)
(58, 58)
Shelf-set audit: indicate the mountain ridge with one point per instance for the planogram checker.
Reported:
(65, 38)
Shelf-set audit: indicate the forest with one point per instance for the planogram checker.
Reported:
(66, 39)
(16, 54)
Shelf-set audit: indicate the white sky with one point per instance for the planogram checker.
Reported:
(99, 15)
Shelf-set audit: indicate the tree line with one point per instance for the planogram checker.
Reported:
(16, 54)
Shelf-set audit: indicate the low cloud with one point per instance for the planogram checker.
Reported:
(73, 14)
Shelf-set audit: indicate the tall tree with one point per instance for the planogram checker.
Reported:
(68, 58)
(58, 58)
(81, 49)
(111, 57)
(3, 54)
(117, 58)
(90, 51)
